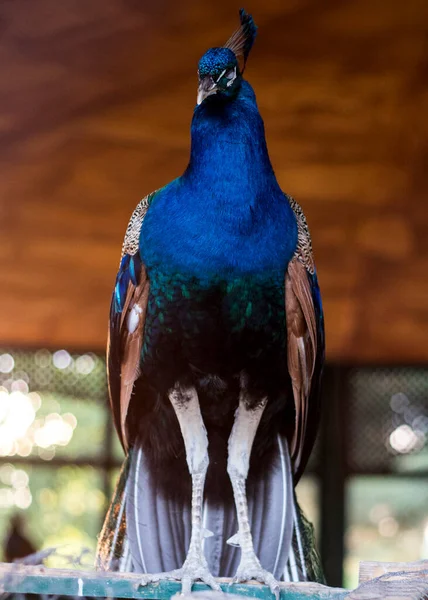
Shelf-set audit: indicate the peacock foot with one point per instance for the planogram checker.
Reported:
(250, 569)
(195, 568)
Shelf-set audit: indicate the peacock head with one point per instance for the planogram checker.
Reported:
(218, 70)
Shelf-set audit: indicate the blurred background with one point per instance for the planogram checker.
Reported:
(97, 98)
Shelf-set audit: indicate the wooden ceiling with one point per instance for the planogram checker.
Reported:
(96, 102)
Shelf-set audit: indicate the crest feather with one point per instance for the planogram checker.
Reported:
(242, 40)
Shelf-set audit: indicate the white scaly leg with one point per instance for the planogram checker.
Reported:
(186, 405)
(240, 445)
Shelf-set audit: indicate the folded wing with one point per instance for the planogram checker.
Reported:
(305, 342)
(126, 326)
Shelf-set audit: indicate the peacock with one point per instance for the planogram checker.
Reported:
(215, 354)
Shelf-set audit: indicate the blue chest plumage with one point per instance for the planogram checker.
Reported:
(210, 238)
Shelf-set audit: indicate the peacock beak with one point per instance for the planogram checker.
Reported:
(207, 87)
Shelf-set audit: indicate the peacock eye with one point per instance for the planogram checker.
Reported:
(230, 74)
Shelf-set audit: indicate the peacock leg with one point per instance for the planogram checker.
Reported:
(186, 405)
(240, 444)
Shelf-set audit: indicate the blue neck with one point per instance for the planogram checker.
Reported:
(229, 156)
(226, 215)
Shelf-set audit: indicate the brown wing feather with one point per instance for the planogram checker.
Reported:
(123, 345)
(301, 346)
(124, 352)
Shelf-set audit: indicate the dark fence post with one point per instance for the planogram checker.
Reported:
(333, 473)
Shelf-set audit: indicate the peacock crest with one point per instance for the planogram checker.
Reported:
(242, 40)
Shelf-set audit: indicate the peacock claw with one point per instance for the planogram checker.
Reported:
(250, 569)
(195, 568)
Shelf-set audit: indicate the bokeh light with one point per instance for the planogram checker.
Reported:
(62, 359)
(21, 427)
(7, 363)
(404, 439)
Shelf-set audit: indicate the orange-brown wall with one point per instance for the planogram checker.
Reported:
(95, 107)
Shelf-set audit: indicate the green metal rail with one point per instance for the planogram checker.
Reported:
(20, 579)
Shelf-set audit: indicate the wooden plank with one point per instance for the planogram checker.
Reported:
(371, 569)
(40, 580)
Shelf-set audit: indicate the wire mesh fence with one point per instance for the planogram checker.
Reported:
(387, 424)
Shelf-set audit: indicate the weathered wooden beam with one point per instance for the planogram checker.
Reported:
(372, 569)
(20, 579)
